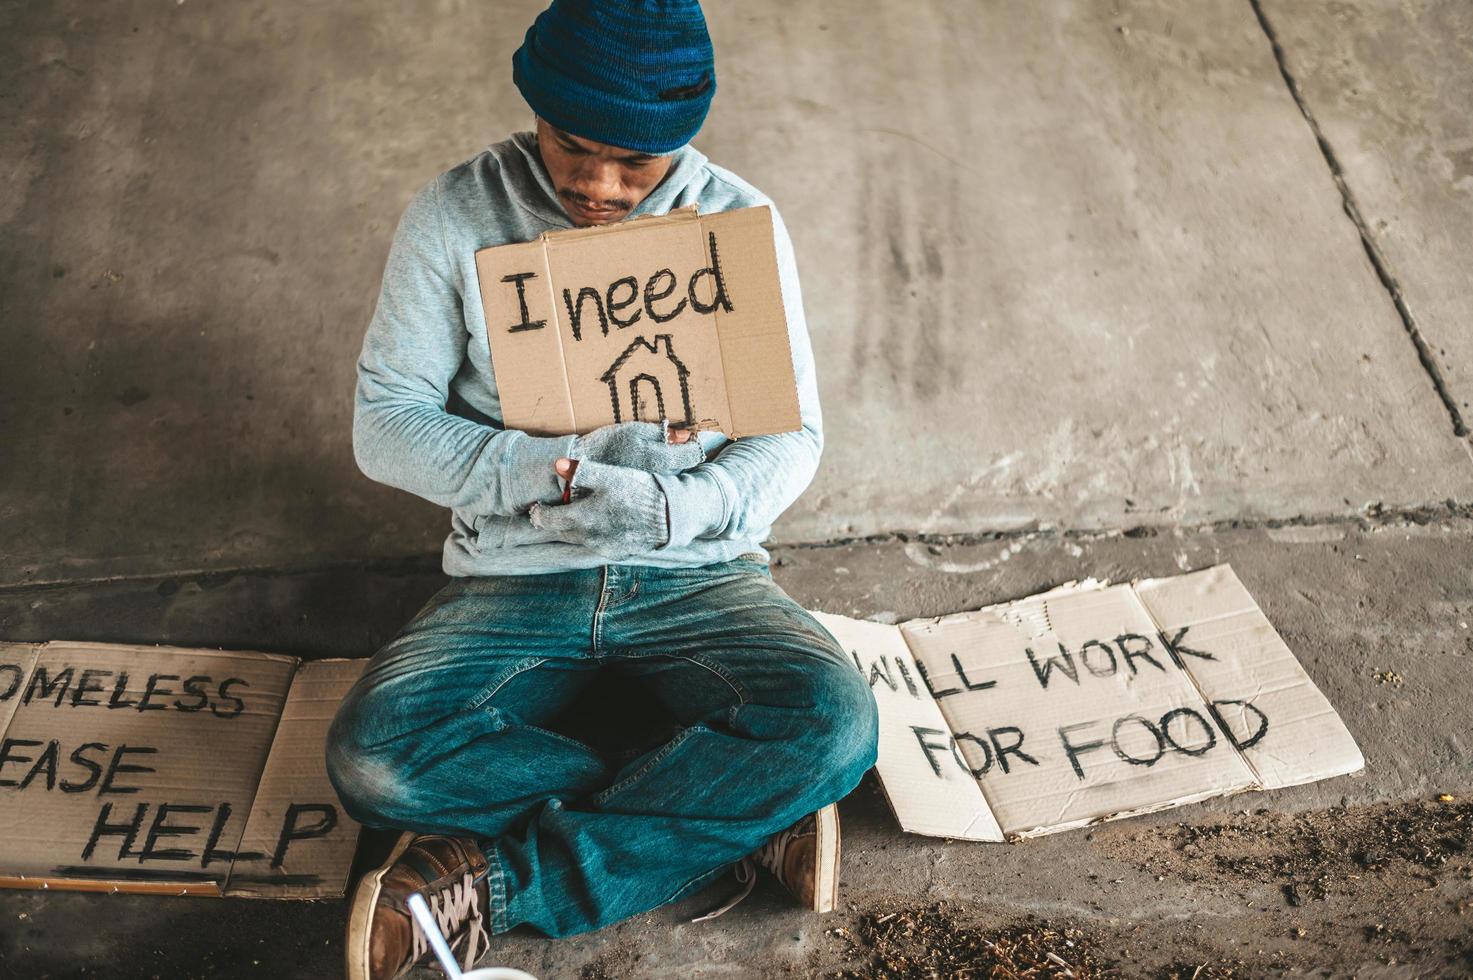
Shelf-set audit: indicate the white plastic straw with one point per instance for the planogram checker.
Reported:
(432, 933)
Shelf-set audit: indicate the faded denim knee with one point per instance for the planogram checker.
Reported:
(366, 778)
(840, 737)
(847, 723)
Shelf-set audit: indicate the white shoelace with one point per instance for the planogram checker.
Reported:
(769, 855)
(746, 876)
(453, 907)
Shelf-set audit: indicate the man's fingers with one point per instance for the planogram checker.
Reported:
(688, 453)
(556, 518)
(679, 450)
(649, 446)
(589, 476)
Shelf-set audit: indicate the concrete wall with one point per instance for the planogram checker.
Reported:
(1065, 263)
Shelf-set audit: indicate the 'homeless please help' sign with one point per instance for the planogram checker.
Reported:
(677, 316)
(170, 770)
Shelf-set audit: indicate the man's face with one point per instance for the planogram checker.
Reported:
(597, 183)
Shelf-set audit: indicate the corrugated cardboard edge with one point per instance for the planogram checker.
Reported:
(1357, 762)
(1194, 680)
(965, 834)
(1063, 589)
(280, 767)
(170, 648)
(207, 889)
(688, 213)
(724, 343)
(952, 808)
(1140, 811)
(25, 656)
(506, 379)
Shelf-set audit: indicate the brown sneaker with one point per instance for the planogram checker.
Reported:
(384, 941)
(805, 858)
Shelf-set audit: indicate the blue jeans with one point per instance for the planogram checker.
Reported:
(445, 732)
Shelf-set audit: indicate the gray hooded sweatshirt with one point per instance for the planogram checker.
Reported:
(427, 418)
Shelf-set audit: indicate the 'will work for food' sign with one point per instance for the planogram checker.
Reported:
(1089, 703)
(677, 316)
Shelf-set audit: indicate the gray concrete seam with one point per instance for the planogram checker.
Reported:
(1374, 516)
(1352, 210)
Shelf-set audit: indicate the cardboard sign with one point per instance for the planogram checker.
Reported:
(168, 770)
(937, 800)
(131, 768)
(305, 840)
(676, 316)
(1090, 703)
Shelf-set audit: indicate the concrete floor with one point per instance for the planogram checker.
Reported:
(1352, 598)
(1112, 289)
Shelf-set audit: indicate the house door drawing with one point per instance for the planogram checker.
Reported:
(647, 405)
(648, 383)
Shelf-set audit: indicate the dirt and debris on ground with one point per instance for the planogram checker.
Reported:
(1399, 876)
(1309, 855)
(965, 941)
(939, 940)
(1331, 892)
(613, 964)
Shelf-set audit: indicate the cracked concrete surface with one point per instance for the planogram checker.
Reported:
(1390, 85)
(1431, 361)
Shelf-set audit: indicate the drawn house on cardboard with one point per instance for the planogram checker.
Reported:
(577, 342)
(648, 383)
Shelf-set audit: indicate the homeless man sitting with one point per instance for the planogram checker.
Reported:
(654, 573)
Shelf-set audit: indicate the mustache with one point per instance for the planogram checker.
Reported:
(576, 198)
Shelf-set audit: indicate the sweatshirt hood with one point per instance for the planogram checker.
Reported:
(531, 187)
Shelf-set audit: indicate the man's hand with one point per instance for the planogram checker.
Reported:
(618, 512)
(640, 446)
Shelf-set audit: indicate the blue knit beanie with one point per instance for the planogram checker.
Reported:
(637, 74)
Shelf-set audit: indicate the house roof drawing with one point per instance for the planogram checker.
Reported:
(651, 347)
